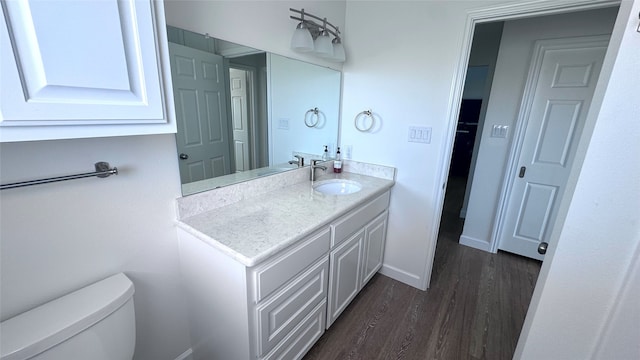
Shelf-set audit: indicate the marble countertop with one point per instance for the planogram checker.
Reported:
(255, 228)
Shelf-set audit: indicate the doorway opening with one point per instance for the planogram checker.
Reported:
(468, 167)
(489, 108)
(471, 118)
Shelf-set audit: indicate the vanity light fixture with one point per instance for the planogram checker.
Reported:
(311, 36)
(302, 40)
(338, 50)
(322, 45)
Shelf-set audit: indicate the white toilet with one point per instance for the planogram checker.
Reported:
(96, 322)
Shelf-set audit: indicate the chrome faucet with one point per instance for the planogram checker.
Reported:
(314, 167)
(299, 161)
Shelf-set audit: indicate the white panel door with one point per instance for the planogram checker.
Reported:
(344, 275)
(240, 117)
(201, 113)
(373, 248)
(563, 79)
(72, 62)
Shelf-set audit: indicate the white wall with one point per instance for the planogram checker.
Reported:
(586, 306)
(59, 237)
(403, 57)
(512, 66)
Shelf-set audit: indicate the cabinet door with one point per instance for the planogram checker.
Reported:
(373, 247)
(344, 275)
(75, 69)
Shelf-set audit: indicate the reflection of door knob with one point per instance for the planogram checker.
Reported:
(542, 248)
(184, 156)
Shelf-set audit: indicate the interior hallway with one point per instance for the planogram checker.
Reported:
(474, 308)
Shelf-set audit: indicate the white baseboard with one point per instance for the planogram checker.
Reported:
(186, 355)
(475, 243)
(401, 275)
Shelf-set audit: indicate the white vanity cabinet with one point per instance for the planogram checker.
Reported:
(358, 241)
(275, 304)
(275, 310)
(74, 69)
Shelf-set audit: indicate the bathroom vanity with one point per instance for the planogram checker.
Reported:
(272, 263)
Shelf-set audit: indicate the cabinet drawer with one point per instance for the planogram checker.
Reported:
(302, 338)
(355, 220)
(282, 313)
(271, 276)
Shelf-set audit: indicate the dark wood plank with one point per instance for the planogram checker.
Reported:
(474, 308)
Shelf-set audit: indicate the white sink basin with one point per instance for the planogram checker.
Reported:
(337, 187)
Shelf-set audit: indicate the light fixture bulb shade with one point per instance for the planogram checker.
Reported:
(302, 40)
(323, 46)
(338, 52)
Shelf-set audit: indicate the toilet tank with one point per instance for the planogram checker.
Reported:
(96, 322)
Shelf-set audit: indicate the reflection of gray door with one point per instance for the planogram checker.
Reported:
(201, 113)
(240, 118)
(566, 73)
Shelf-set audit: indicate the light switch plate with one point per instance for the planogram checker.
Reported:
(420, 134)
(283, 124)
(499, 131)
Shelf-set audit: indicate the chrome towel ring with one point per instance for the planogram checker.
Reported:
(367, 114)
(308, 119)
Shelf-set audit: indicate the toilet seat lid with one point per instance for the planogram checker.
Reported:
(34, 331)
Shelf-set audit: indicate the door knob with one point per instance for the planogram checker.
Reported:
(522, 171)
(542, 248)
(184, 156)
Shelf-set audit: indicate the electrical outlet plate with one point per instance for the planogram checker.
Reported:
(348, 152)
(420, 134)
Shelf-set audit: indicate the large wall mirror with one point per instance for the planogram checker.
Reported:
(243, 113)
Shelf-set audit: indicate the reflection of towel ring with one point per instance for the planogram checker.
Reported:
(366, 113)
(308, 120)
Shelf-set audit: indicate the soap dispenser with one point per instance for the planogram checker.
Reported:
(337, 163)
(325, 154)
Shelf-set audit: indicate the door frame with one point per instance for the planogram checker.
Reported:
(252, 104)
(522, 122)
(503, 12)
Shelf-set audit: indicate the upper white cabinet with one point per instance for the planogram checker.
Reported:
(73, 69)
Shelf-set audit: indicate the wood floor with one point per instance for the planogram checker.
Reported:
(474, 308)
